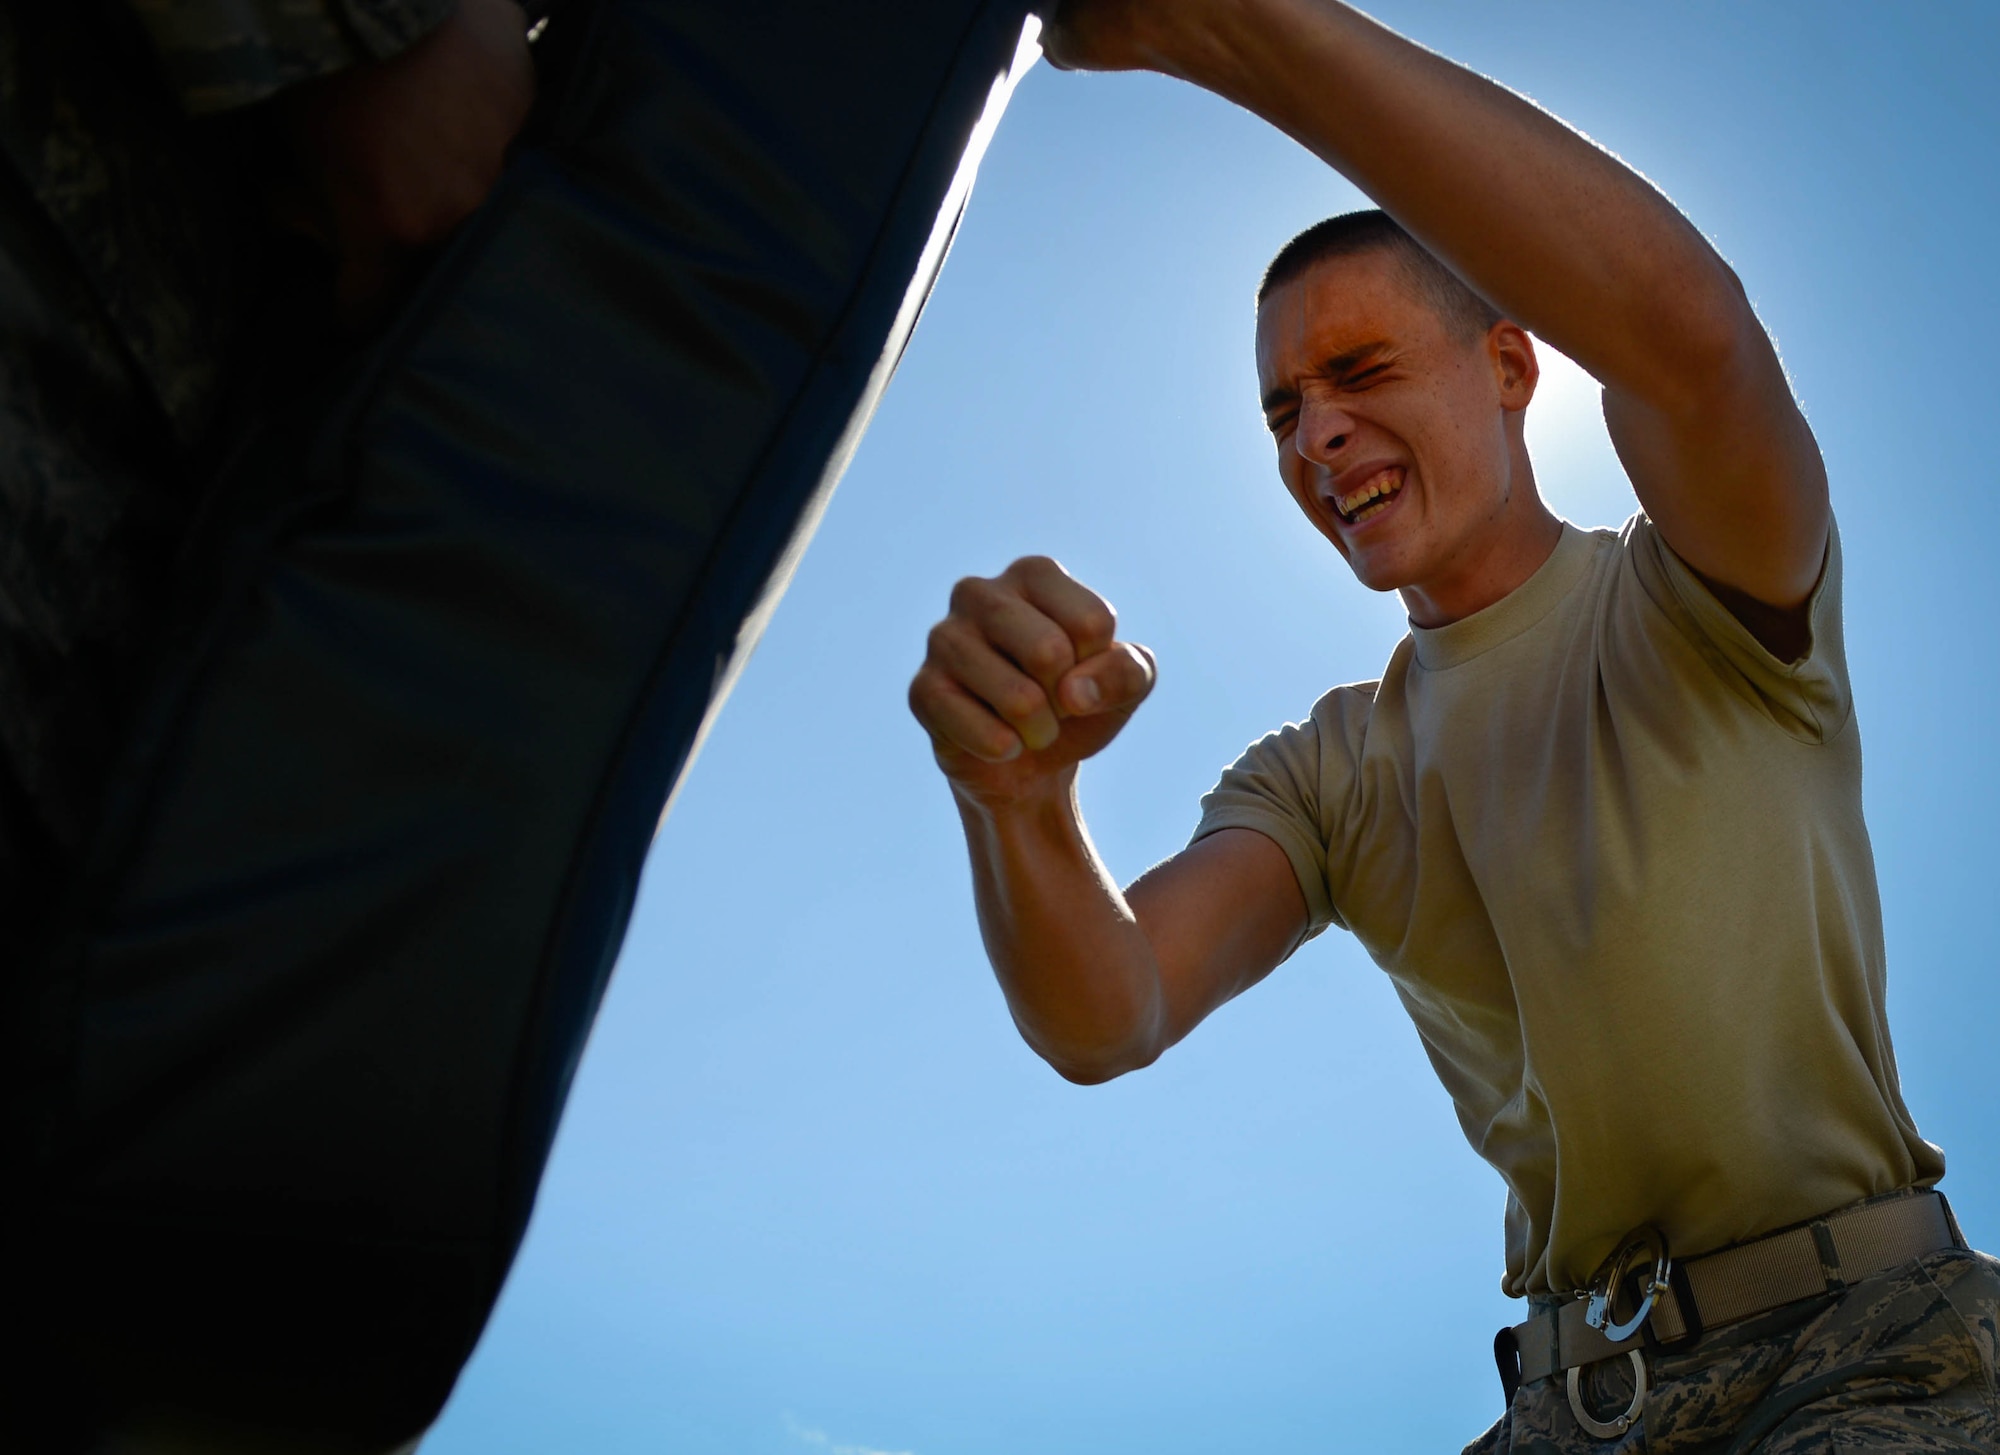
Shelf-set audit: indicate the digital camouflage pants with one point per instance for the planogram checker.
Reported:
(1903, 1361)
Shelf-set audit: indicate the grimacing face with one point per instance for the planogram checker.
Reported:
(1399, 439)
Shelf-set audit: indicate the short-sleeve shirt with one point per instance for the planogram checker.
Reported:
(1610, 852)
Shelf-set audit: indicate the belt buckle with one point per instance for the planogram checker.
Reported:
(1599, 1314)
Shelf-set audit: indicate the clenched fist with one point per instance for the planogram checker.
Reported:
(1025, 679)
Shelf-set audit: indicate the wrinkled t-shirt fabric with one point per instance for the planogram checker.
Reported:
(1610, 852)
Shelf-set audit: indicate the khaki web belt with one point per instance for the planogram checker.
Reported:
(1669, 1305)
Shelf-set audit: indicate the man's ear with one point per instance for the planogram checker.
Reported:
(1515, 368)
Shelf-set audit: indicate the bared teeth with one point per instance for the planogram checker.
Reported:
(1380, 487)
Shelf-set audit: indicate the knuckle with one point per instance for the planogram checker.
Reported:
(1099, 621)
(971, 593)
(954, 641)
(1048, 652)
(927, 701)
(1019, 703)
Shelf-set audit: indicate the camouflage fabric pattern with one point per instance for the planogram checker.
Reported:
(222, 54)
(115, 308)
(1901, 1362)
(133, 254)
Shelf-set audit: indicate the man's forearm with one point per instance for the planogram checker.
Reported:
(1078, 973)
(1561, 236)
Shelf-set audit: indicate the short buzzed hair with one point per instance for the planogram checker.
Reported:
(1464, 312)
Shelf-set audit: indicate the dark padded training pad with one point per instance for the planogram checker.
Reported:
(369, 865)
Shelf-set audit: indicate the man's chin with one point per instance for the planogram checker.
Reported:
(1379, 574)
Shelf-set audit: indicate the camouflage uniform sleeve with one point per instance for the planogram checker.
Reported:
(221, 54)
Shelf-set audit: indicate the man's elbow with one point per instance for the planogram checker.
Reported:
(1093, 1064)
(1710, 341)
(1093, 1072)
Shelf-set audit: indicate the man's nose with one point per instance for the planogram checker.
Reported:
(1325, 430)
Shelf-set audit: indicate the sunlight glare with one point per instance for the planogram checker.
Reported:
(1577, 469)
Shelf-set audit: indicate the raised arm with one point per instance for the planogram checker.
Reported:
(1558, 233)
(1021, 682)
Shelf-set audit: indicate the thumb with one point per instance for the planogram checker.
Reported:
(1116, 679)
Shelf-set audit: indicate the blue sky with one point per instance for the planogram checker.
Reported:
(813, 1197)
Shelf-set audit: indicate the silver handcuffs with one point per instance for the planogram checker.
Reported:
(1603, 1291)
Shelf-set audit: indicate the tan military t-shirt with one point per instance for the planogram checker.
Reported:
(1610, 851)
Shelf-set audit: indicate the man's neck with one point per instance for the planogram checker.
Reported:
(1523, 539)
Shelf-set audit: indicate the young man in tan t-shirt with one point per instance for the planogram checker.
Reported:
(1600, 820)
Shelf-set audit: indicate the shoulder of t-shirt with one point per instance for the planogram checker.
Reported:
(1305, 765)
(1278, 787)
(1808, 697)
(1342, 717)
(1338, 720)
(1349, 697)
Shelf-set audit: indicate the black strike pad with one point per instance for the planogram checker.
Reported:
(444, 649)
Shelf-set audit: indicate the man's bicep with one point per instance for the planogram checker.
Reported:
(1220, 916)
(1729, 472)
